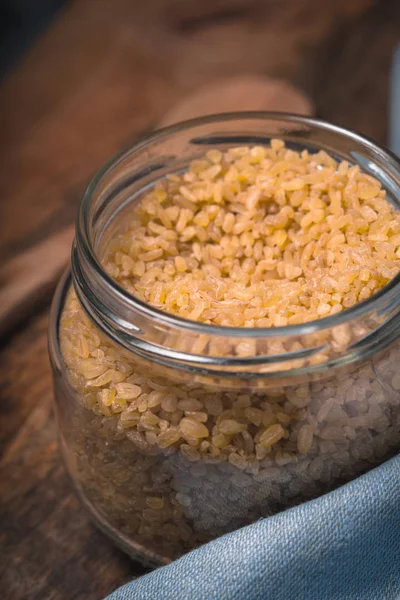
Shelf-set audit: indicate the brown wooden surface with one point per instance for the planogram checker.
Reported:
(103, 73)
(23, 285)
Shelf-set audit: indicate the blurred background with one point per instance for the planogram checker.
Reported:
(81, 78)
(20, 22)
(79, 81)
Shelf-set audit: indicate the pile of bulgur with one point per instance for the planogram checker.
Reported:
(252, 237)
(259, 237)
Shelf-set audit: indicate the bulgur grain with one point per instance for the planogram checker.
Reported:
(251, 237)
(327, 232)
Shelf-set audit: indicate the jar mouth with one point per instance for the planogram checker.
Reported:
(386, 169)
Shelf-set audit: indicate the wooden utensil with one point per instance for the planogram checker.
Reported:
(240, 94)
(28, 280)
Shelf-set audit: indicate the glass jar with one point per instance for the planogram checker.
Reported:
(328, 390)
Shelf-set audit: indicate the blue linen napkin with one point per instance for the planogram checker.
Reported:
(344, 545)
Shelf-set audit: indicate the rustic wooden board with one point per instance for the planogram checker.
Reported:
(103, 73)
(50, 550)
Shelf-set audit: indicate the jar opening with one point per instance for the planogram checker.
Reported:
(147, 329)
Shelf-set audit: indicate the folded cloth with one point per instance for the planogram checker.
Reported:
(344, 545)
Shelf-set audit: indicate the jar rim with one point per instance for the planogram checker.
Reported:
(83, 237)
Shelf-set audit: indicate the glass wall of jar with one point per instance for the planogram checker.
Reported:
(174, 431)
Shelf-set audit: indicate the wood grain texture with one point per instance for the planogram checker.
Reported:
(102, 73)
(49, 548)
(23, 285)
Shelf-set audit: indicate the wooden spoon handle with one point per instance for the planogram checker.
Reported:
(241, 93)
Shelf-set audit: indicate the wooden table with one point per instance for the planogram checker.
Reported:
(103, 73)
